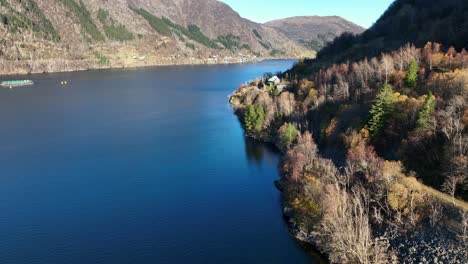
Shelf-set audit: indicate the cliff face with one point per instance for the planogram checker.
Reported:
(51, 35)
(314, 31)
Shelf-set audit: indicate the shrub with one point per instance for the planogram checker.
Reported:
(287, 135)
(102, 60)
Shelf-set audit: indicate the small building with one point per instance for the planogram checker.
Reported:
(273, 81)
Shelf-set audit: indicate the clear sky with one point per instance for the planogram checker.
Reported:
(361, 12)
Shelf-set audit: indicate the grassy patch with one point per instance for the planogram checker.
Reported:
(101, 59)
(85, 19)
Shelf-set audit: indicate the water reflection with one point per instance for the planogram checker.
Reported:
(260, 153)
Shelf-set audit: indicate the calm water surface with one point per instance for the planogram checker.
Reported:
(138, 166)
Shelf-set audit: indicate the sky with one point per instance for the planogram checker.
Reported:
(361, 12)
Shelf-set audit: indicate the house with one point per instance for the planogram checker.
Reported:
(273, 81)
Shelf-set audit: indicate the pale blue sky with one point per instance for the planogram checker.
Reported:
(361, 12)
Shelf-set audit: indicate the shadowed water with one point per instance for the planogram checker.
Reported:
(138, 166)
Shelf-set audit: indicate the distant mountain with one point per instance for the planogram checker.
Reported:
(405, 21)
(61, 35)
(222, 24)
(314, 31)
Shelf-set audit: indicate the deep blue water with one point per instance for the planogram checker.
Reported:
(138, 166)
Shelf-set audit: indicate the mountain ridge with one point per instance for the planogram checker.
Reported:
(405, 21)
(68, 35)
(314, 31)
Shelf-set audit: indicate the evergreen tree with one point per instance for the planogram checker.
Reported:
(254, 118)
(250, 117)
(381, 110)
(288, 135)
(426, 112)
(412, 74)
(260, 117)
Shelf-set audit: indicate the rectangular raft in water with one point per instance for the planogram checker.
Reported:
(16, 83)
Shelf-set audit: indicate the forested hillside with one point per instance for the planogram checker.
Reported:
(376, 146)
(405, 21)
(359, 139)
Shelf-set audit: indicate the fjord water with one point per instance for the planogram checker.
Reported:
(138, 166)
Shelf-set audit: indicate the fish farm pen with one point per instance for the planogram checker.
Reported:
(16, 83)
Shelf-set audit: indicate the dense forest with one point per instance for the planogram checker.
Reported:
(375, 147)
(405, 21)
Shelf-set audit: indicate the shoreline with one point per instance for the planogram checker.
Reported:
(427, 241)
(138, 66)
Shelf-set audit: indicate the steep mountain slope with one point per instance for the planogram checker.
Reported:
(57, 35)
(406, 21)
(217, 19)
(314, 31)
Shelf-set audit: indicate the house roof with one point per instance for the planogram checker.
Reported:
(273, 79)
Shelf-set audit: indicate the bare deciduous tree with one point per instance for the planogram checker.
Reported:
(346, 228)
(451, 185)
(463, 226)
(435, 212)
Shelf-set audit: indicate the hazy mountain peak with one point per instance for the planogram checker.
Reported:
(314, 31)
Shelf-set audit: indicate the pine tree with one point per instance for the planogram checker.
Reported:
(426, 112)
(288, 134)
(250, 117)
(254, 118)
(260, 117)
(412, 74)
(381, 110)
